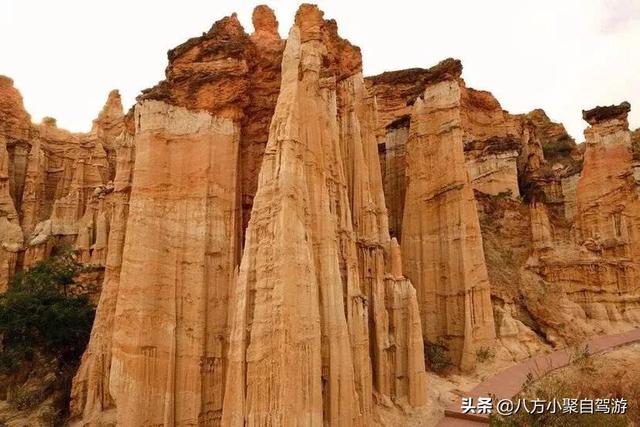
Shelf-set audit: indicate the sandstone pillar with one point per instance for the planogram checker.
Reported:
(441, 240)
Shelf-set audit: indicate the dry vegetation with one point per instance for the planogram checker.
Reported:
(615, 374)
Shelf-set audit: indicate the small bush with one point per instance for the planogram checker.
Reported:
(505, 195)
(559, 148)
(24, 398)
(484, 354)
(581, 357)
(437, 355)
(40, 313)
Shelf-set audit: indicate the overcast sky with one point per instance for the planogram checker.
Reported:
(560, 55)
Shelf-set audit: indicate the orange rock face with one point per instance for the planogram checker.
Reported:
(441, 240)
(280, 236)
(491, 140)
(199, 209)
(91, 398)
(506, 156)
(217, 332)
(580, 275)
(304, 319)
(608, 212)
(494, 140)
(395, 93)
(16, 122)
(54, 183)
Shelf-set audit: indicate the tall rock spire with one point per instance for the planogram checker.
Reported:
(313, 279)
(312, 321)
(441, 240)
(608, 211)
(290, 294)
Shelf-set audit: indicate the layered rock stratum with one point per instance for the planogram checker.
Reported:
(281, 238)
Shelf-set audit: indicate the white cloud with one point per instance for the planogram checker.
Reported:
(563, 56)
(618, 15)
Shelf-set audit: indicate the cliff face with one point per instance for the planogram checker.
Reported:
(395, 93)
(497, 144)
(608, 213)
(281, 236)
(536, 287)
(90, 393)
(441, 240)
(56, 183)
(183, 232)
(307, 319)
(16, 122)
(319, 192)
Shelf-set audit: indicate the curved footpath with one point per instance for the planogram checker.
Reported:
(508, 382)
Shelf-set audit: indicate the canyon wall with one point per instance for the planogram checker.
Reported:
(301, 315)
(495, 141)
(56, 184)
(280, 237)
(183, 233)
(608, 215)
(527, 174)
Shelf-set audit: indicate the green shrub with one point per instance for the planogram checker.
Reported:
(560, 148)
(505, 195)
(484, 354)
(45, 324)
(43, 313)
(437, 355)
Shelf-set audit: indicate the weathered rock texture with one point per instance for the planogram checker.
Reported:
(181, 239)
(608, 217)
(183, 231)
(441, 239)
(582, 275)
(537, 287)
(262, 215)
(314, 320)
(497, 144)
(91, 396)
(395, 93)
(579, 275)
(233, 75)
(15, 133)
(56, 184)
(300, 340)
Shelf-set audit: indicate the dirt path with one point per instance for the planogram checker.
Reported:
(507, 383)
